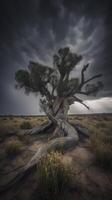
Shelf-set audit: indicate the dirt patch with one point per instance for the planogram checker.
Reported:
(90, 182)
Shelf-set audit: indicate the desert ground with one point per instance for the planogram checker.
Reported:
(91, 159)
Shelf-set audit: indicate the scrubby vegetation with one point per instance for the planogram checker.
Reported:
(9, 124)
(54, 176)
(13, 147)
(101, 144)
(26, 125)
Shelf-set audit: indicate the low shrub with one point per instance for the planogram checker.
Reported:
(13, 147)
(4, 118)
(25, 125)
(102, 147)
(54, 176)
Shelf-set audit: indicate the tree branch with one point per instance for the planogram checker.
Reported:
(94, 77)
(85, 105)
(80, 101)
(82, 73)
(82, 92)
(83, 82)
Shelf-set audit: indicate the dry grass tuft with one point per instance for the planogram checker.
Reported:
(13, 147)
(53, 175)
(26, 125)
(101, 144)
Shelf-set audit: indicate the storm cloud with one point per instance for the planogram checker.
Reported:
(34, 30)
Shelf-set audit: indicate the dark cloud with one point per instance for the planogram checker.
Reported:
(33, 30)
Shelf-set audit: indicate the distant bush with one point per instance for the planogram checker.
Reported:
(54, 176)
(13, 147)
(25, 125)
(102, 147)
(4, 118)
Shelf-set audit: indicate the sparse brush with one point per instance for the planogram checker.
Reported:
(5, 118)
(54, 176)
(102, 147)
(13, 147)
(26, 125)
(103, 154)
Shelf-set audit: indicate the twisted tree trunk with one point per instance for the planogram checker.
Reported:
(60, 112)
(63, 142)
(68, 138)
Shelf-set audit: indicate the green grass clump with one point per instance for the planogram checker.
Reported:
(54, 176)
(26, 125)
(102, 147)
(13, 147)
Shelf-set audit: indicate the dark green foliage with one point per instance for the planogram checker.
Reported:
(34, 79)
(26, 125)
(65, 61)
(67, 85)
(23, 78)
(57, 81)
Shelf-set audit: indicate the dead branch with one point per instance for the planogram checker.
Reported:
(81, 102)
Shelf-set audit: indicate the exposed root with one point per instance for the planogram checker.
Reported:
(11, 171)
(64, 143)
(83, 132)
(43, 128)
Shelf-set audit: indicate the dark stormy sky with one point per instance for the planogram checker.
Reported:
(35, 29)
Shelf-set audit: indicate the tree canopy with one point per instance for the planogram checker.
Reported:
(55, 81)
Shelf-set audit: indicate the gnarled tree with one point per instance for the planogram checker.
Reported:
(58, 91)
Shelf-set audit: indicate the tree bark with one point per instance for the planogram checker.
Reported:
(60, 110)
(43, 128)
